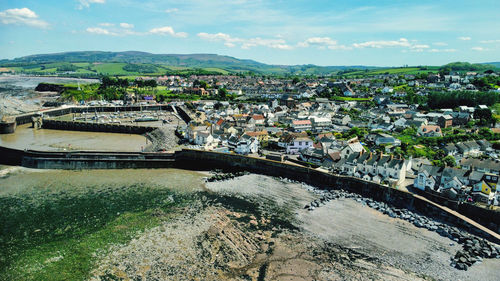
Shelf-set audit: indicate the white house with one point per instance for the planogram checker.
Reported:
(246, 145)
(298, 144)
(350, 148)
(301, 125)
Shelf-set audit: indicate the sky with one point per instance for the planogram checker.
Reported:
(323, 32)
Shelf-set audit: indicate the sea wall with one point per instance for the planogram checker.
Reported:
(196, 159)
(95, 127)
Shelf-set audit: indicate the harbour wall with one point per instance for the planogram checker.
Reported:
(95, 127)
(26, 118)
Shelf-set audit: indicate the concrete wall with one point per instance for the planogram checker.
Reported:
(26, 118)
(94, 127)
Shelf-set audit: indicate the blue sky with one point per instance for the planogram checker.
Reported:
(354, 32)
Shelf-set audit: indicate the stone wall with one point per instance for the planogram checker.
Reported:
(95, 127)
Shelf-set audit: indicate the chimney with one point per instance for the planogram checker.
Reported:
(361, 153)
(381, 154)
(392, 156)
(371, 154)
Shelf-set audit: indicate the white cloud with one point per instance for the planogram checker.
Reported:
(464, 38)
(322, 43)
(23, 16)
(479, 49)
(171, 10)
(489, 41)
(100, 31)
(440, 44)
(403, 42)
(86, 3)
(442, 50)
(231, 42)
(167, 30)
(126, 25)
(106, 24)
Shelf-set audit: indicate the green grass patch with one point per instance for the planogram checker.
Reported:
(55, 236)
(351, 99)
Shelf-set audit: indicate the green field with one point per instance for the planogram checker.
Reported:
(398, 71)
(108, 68)
(351, 99)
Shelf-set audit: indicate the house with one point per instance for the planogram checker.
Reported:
(298, 143)
(312, 155)
(429, 131)
(445, 121)
(469, 148)
(260, 135)
(320, 123)
(301, 125)
(450, 149)
(483, 192)
(400, 123)
(427, 177)
(376, 168)
(341, 119)
(257, 119)
(484, 166)
(247, 145)
(203, 138)
(351, 148)
(382, 138)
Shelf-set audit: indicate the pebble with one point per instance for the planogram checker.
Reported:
(474, 248)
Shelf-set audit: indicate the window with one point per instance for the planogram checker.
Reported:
(300, 143)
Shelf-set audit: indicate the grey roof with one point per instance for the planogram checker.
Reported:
(431, 170)
(476, 176)
(453, 172)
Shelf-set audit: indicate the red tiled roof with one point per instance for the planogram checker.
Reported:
(301, 122)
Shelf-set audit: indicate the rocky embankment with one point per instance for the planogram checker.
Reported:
(162, 138)
(221, 176)
(475, 249)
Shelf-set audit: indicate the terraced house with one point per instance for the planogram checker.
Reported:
(374, 167)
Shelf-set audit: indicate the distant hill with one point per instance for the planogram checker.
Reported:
(204, 61)
(495, 64)
(133, 63)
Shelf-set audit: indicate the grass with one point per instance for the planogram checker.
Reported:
(73, 259)
(351, 99)
(55, 236)
(398, 71)
(111, 68)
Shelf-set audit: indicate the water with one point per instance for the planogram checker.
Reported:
(17, 93)
(30, 82)
(23, 180)
(57, 140)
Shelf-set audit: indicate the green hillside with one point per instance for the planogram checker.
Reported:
(132, 63)
(115, 63)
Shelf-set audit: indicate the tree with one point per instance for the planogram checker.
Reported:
(223, 93)
(295, 80)
(484, 116)
(449, 161)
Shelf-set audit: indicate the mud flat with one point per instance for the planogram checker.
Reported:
(46, 139)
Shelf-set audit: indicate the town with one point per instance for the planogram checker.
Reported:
(433, 132)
